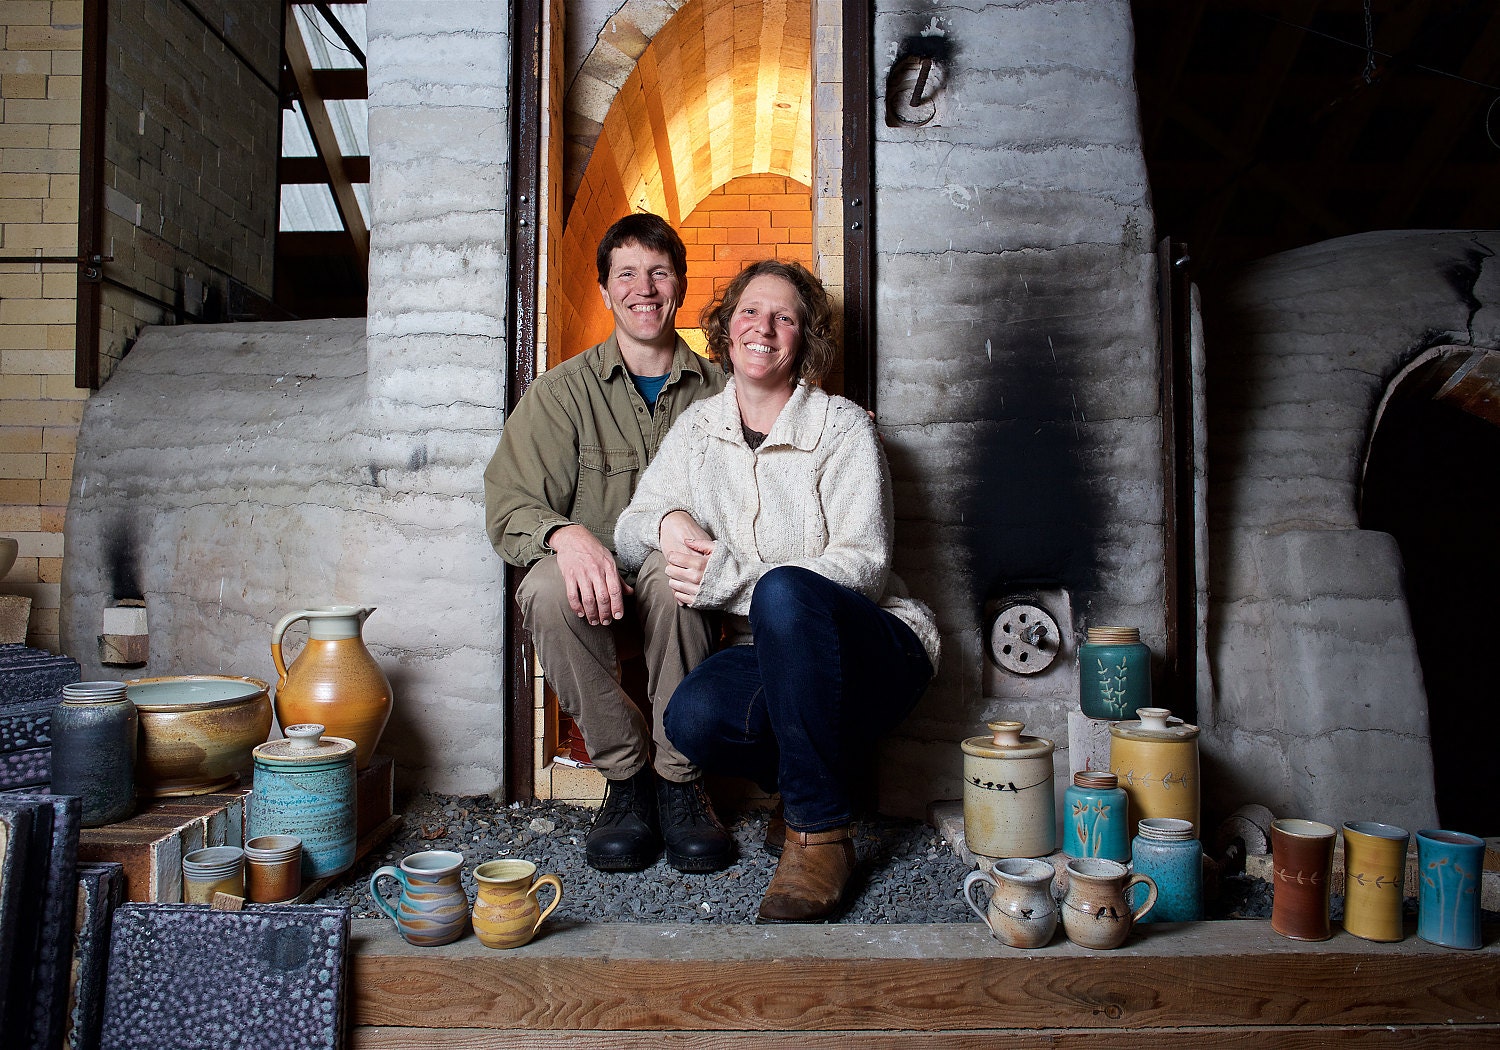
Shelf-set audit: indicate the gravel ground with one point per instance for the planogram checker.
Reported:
(906, 873)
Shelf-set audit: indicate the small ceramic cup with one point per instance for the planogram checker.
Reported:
(1448, 871)
(217, 869)
(506, 910)
(1302, 862)
(1374, 879)
(1021, 911)
(273, 868)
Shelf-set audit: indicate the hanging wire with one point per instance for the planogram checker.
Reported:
(1489, 113)
(1376, 51)
(315, 18)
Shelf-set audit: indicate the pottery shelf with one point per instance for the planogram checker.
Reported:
(1209, 984)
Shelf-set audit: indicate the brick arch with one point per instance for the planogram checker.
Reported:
(720, 91)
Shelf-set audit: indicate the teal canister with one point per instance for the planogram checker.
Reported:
(1096, 819)
(304, 786)
(93, 750)
(1114, 673)
(1167, 849)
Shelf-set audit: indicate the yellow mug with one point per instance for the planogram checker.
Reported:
(506, 911)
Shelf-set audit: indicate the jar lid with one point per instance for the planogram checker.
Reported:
(1097, 779)
(1154, 723)
(1165, 829)
(1005, 741)
(93, 692)
(304, 743)
(1114, 635)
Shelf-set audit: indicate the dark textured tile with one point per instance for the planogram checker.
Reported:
(57, 903)
(18, 919)
(185, 976)
(101, 889)
(33, 674)
(26, 769)
(28, 725)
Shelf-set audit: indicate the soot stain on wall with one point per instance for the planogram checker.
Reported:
(120, 559)
(1028, 513)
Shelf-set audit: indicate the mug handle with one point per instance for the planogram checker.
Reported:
(974, 878)
(388, 871)
(1141, 880)
(556, 884)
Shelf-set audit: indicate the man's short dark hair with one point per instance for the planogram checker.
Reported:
(651, 232)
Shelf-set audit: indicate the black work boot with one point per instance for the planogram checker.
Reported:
(626, 836)
(696, 841)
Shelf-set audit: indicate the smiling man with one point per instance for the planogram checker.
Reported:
(568, 462)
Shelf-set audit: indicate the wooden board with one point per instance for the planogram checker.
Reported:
(622, 977)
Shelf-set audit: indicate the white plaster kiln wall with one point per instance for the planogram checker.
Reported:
(1017, 361)
(239, 472)
(1319, 709)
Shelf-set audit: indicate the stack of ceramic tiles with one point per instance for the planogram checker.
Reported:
(31, 683)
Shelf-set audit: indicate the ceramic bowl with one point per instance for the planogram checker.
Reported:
(197, 731)
(9, 548)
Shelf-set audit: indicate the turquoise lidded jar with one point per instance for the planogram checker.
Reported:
(1114, 673)
(1167, 849)
(304, 786)
(1096, 821)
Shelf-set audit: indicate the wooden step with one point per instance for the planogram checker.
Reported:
(1191, 984)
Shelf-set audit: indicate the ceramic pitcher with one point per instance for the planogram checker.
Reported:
(433, 908)
(334, 681)
(1021, 911)
(1096, 911)
(507, 913)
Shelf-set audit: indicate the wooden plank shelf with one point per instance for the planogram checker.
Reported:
(1199, 984)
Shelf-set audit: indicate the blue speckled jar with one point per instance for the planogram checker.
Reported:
(1114, 673)
(93, 750)
(1096, 821)
(304, 786)
(1166, 849)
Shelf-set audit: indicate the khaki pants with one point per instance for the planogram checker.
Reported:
(580, 662)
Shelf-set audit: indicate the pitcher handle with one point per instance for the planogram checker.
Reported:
(556, 884)
(276, 635)
(976, 877)
(1138, 879)
(389, 871)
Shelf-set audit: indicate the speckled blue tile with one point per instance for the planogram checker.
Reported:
(30, 674)
(101, 889)
(26, 769)
(26, 726)
(185, 977)
(18, 920)
(56, 901)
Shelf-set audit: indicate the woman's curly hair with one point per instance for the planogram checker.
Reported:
(818, 349)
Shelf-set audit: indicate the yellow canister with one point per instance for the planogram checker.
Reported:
(1009, 809)
(1156, 761)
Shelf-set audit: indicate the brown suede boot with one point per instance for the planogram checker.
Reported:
(810, 878)
(776, 830)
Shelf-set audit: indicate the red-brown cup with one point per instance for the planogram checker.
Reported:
(273, 868)
(1302, 861)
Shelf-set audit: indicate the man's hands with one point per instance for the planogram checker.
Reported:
(595, 590)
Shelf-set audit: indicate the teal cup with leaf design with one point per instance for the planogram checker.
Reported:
(1114, 673)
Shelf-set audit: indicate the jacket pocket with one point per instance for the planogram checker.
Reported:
(606, 481)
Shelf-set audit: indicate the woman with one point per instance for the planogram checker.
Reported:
(778, 494)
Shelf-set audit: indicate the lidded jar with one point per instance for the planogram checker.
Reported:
(1156, 759)
(1008, 798)
(1096, 817)
(1167, 849)
(304, 786)
(1114, 673)
(94, 750)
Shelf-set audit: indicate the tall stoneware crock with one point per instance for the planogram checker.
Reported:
(1009, 807)
(334, 681)
(304, 786)
(1156, 761)
(93, 750)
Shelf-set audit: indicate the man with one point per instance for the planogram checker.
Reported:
(567, 464)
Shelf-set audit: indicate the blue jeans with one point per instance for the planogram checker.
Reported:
(798, 711)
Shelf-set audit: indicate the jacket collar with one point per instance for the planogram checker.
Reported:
(683, 360)
(799, 426)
